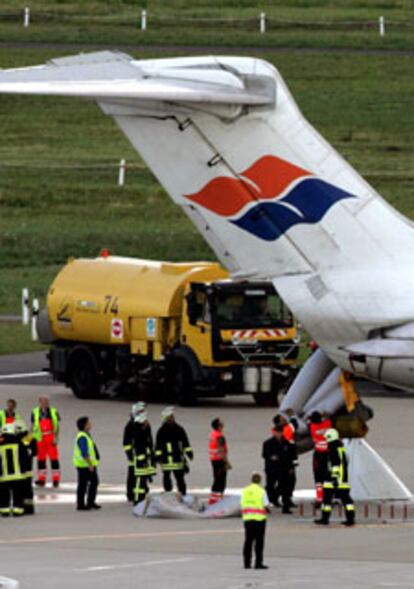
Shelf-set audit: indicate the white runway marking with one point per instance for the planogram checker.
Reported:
(126, 536)
(111, 567)
(109, 493)
(22, 375)
(9, 583)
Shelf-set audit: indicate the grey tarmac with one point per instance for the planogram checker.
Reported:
(62, 548)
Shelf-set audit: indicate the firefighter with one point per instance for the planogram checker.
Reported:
(143, 456)
(45, 429)
(30, 447)
(172, 449)
(86, 460)
(12, 474)
(218, 452)
(9, 414)
(336, 483)
(254, 509)
(318, 426)
(136, 409)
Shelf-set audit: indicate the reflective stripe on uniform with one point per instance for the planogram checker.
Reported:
(252, 503)
(10, 468)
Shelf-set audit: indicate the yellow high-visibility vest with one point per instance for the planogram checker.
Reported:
(54, 415)
(78, 460)
(252, 503)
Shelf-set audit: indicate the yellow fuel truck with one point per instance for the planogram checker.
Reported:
(177, 330)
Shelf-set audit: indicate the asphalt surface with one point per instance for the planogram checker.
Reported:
(60, 547)
(24, 369)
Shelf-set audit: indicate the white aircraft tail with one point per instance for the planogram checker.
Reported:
(273, 199)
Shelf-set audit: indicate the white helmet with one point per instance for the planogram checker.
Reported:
(331, 435)
(167, 412)
(20, 426)
(8, 429)
(138, 408)
(141, 417)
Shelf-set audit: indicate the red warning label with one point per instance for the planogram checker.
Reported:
(117, 329)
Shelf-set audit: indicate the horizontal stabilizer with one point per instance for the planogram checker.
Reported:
(113, 76)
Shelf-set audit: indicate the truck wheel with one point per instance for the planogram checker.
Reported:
(181, 384)
(266, 399)
(83, 375)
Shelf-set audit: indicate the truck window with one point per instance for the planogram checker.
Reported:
(251, 309)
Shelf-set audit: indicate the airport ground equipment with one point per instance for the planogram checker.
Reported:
(183, 330)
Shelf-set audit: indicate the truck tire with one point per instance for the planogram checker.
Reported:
(83, 377)
(180, 384)
(266, 399)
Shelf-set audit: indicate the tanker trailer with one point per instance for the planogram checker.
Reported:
(176, 331)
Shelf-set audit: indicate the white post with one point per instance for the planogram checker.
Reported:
(262, 22)
(121, 174)
(26, 17)
(381, 21)
(35, 315)
(25, 306)
(144, 20)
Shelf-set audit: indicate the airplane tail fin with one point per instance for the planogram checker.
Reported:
(227, 141)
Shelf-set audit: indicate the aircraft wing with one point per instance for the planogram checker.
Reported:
(108, 76)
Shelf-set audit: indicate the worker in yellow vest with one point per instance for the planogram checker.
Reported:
(254, 509)
(86, 460)
(9, 414)
(45, 430)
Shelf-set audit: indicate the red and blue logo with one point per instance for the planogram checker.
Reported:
(269, 198)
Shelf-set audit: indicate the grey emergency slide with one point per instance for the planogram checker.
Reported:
(173, 506)
(316, 388)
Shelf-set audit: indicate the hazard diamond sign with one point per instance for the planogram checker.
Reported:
(117, 329)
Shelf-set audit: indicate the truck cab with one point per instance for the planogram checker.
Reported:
(244, 337)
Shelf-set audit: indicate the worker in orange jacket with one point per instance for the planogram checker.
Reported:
(318, 426)
(218, 453)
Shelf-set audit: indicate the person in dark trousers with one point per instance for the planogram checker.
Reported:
(278, 451)
(218, 452)
(86, 459)
(318, 426)
(30, 448)
(289, 424)
(271, 454)
(336, 483)
(137, 408)
(12, 475)
(254, 509)
(143, 456)
(172, 449)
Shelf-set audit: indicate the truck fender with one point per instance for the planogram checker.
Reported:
(186, 354)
